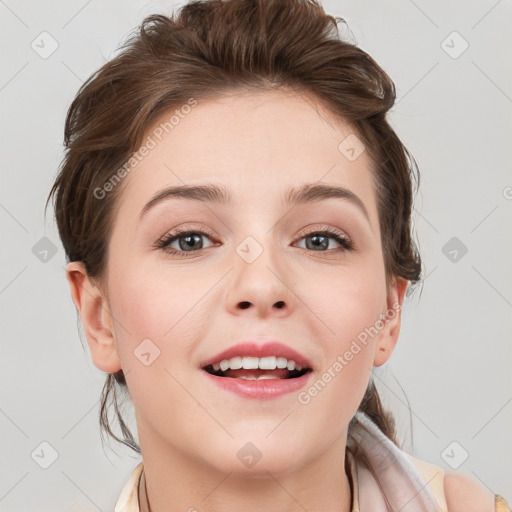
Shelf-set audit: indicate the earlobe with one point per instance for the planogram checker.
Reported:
(392, 321)
(96, 319)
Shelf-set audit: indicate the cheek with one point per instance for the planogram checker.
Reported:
(338, 387)
(155, 325)
(346, 302)
(166, 309)
(345, 318)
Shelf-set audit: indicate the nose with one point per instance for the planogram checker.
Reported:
(262, 286)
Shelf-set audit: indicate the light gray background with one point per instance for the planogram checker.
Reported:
(449, 377)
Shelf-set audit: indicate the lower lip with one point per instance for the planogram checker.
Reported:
(261, 389)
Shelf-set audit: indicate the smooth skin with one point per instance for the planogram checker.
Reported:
(192, 306)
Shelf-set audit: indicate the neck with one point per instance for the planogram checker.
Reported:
(170, 478)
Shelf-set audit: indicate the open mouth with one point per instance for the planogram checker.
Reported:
(257, 373)
(258, 378)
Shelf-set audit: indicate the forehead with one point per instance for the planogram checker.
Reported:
(257, 144)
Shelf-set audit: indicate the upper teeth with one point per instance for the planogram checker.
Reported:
(253, 363)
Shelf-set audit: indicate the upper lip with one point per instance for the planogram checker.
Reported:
(253, 349)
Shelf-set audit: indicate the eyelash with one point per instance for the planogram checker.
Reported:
(163, 242)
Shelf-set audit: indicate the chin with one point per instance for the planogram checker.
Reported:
(256, 455)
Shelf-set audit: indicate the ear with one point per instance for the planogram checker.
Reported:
(392, 318)
(92, 306)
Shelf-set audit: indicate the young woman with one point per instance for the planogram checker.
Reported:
(235, 210)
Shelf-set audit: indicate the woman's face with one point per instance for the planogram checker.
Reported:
(253, 271)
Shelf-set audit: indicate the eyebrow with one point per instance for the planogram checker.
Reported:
(307, 193)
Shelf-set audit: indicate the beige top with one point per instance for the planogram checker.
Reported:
(359, 477)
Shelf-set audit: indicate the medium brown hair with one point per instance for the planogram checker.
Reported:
(207, 49)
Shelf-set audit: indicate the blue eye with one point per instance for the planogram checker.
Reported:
(321, 239)
(190, 241)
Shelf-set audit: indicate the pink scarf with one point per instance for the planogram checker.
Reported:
(396, 478)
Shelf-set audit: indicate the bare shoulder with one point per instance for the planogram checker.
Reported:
(465, 494)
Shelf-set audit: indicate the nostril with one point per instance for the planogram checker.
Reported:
(245, 304)
(279, 304)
